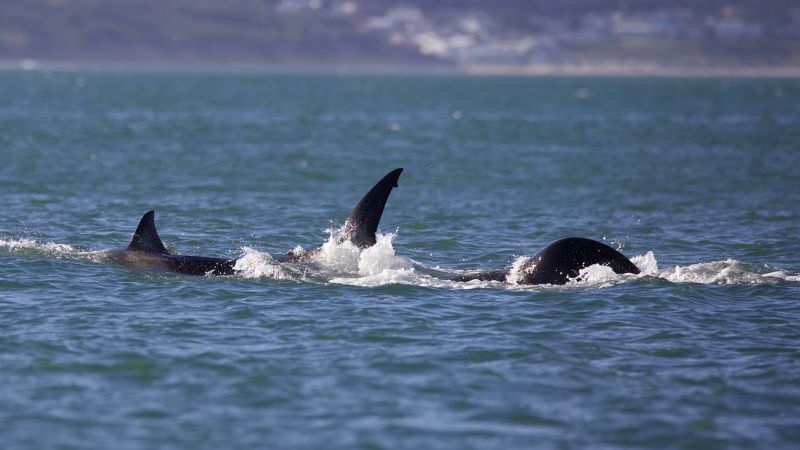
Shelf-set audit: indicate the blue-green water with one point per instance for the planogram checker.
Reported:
(698, 180)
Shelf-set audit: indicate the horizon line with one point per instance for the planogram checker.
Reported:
(611, 69)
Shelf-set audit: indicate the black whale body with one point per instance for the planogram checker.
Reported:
(362, 223)
(560, 261)
(146, 251)
(555, 264)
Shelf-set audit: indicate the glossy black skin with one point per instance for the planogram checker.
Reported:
(147, 252)
(183, 264)
(201, 265)
(555, 264)
(560, 261)
(362, 223)
(485, 275)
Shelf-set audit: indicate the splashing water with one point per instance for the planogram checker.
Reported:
(342, 262)
(728, 271)
(256, 264)
(47, 248)
(55, 250)
(338, 257)
(517, 273)
(375, 265)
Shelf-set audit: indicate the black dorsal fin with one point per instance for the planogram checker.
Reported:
(146, 237)
(362, 223)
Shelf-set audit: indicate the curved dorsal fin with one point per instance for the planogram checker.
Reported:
(362, 223)
(146, 237)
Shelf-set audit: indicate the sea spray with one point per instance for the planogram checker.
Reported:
(48, 248)
(256, 264)
(517, 272)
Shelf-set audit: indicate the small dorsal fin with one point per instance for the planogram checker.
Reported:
(146, 237)
(362, 223)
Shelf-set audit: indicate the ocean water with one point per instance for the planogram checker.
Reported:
(697, 180)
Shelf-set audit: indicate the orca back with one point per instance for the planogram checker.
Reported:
(146, 251)
(563, 259)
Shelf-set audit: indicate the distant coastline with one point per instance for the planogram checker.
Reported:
(636, 69)
(533, 70)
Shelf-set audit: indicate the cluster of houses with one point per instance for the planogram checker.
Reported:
(474, 37)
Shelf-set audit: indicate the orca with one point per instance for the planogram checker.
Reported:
(362, 223)
(146, 250)
(559, 262)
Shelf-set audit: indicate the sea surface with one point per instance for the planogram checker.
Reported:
(696, 180)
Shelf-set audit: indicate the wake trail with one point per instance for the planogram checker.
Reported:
(341, 262)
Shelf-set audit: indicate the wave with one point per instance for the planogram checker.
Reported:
(728, 271)
(343, 263)
(32, 246)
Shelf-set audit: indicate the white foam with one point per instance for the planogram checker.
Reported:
(517, 273)
(338, 257)
(345, 258)
(647, 264)
(781, 275)
(386, 276)
(378, 265)
(255, 264)
(344, 263)
(381, 257)
(50, 248)
(727, 271)
(596, 276)
(414, 278)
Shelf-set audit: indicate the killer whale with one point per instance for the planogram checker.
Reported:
(558, 262)
(554, 264)
(146, 251)
(362, 222)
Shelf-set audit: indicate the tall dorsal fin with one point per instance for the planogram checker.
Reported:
(146, 237)
(362, 223)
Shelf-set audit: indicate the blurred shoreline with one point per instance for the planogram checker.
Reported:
(641, 69)
(527, 70)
